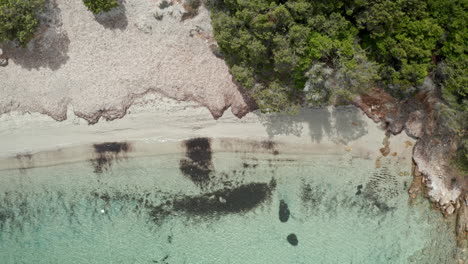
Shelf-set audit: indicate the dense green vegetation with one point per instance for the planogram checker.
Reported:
(98, 6)
(18, 20)
(308, 51)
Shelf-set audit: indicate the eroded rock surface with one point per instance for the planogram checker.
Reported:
(419, 118)
(462, 222)
(98, 65)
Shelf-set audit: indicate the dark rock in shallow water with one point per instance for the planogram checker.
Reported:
(106, 153)
(359, 188)
(197, 165)
(238, 200)
(113, 147)
(292, 239)
(283, 211)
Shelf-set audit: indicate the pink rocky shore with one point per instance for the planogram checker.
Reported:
(445, 186)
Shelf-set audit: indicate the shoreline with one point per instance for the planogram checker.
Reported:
(418, 118)
(344, 127)
(128, 72)
(340, 131)
(99, 70)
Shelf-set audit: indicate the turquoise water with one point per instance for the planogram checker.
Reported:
(147, 210)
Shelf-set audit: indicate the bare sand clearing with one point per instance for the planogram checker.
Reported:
(100, 65)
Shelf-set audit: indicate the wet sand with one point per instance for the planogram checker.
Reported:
(157, 125)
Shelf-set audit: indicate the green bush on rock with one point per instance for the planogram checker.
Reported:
(98, 6)
(18, 20)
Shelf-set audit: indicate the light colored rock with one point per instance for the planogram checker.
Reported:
(450, 209)
(419, 117)
(433, 163)
(462, 223)
(414, 124)
(99, 66)
(3, 62)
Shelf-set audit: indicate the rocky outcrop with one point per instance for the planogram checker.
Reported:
(3, 59)
(418, 117)
(462, 222)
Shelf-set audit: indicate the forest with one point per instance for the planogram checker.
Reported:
(294, 53)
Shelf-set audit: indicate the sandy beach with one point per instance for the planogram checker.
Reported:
(156, 76)
(335, 145)
(143, 75)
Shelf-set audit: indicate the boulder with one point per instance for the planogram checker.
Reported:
(292, 239)
(462, 224)
(3, 61)
(414, 124)
(283, 211)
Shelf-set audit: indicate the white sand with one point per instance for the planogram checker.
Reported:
(157, 125)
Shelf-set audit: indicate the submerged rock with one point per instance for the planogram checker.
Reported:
(106, 153)
(359, 188)
(226, 201)
(283, 211)
(238, 200)
(197, 164)
(292, 239)
(3, 59)
(462, 222)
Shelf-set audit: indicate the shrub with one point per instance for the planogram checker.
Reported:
(191, 7)
(98, 6)
(18, 20)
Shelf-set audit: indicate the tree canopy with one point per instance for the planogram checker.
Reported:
(18, 20)
(293, 52)
(289, 53)
(98, 6)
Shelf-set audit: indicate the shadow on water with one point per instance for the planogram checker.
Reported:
(116, 18)
(347, 123)
(49, 47)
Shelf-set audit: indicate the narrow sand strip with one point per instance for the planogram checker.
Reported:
(156, 125)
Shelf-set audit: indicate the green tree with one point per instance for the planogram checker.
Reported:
(310, 52)
(18, 19)
(402, 36)
(281, 41)
(98, 6)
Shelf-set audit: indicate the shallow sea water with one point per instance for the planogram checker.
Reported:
(342, 209)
